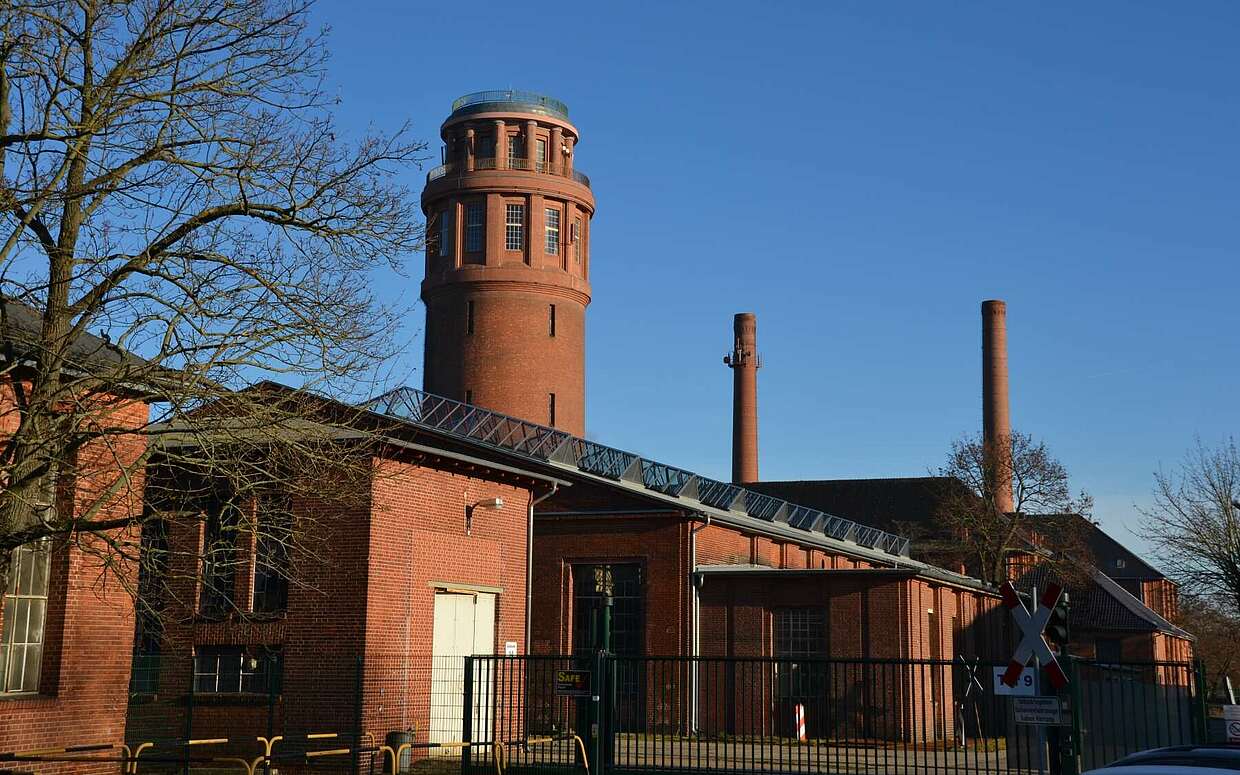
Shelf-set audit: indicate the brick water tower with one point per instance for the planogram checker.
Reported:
(508, 260)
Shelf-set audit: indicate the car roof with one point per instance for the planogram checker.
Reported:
(1224, 757)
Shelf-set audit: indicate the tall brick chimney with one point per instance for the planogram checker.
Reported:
(996, 420)
(744, 362)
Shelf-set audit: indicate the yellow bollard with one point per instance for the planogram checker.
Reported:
(133, 766)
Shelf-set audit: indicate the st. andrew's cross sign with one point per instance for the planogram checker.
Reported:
(1032, 643)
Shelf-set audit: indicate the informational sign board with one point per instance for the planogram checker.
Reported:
(572, 683)
(1026, 683)
(1044, 711)
(1231, 722)
(510, 648)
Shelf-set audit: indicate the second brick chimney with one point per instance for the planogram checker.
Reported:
(996, 420)
(744, 362)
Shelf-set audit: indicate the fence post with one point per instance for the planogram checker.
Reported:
(357, 717)
(189, 715)
(1077, 748)
(271, 704)
(598, 725)
(1202, 731)
(467, 716)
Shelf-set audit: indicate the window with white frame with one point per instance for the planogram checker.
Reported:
(445, 233)
(553, 231)
(514, 149)
(475, 216)
(540, 147)
(577, 240)
(514, 227)
(25, 610)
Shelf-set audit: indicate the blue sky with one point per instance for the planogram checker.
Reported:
(862, 175)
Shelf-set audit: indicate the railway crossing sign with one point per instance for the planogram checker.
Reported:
(970, 672)
(1032, 643)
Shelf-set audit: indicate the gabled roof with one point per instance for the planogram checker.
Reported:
(563, 449)
(1103, 605)
(883, 503)
(660, 483)
(1111, 557)
(886, 503)
(21, 324)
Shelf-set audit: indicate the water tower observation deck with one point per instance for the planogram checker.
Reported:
(510, 100)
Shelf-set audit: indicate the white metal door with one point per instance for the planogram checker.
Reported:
(464, 625)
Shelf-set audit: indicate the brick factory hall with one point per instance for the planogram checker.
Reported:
(501, 527)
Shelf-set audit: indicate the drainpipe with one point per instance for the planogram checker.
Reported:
(529, 561)
(694, 609)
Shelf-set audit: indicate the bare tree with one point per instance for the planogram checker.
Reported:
(172, 179)
(986, 537)
(1215, 645)
(1193, 525)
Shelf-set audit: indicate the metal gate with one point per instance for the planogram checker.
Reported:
(734, 715)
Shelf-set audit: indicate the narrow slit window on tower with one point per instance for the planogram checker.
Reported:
(469, 317)
(475, 215)
(514, 228)
(553, 231)
(541, 152)
(551, 409)
(551, 320)
(577, 240)
(445, 233)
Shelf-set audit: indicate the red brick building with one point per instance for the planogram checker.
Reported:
(704, 568)
(425, 563)
(68, 622)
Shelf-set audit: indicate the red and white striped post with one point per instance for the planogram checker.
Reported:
(799, 718)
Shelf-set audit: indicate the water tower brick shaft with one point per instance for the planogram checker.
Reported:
(744, 362)
(508, 260)
(996, 420)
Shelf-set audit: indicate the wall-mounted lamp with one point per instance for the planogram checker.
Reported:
(486, 503)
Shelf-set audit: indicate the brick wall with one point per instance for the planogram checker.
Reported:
(660, 543)
(368, 593)
(88, 635)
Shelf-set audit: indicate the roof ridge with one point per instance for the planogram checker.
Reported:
(1135, 606)
(558, 447)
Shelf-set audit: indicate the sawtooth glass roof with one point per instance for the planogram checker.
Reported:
(550, 445)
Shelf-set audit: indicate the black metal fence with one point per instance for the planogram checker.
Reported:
(326, 714)
(657, 714)
(1130, 707)
(638, 715)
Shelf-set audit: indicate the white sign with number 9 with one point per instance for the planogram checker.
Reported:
(1026, 685)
